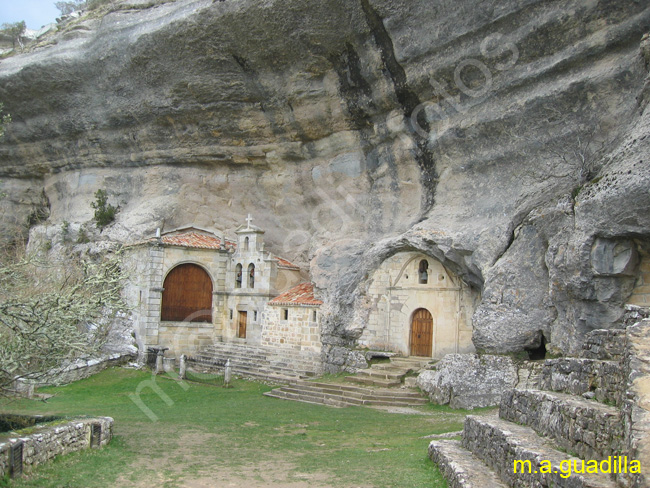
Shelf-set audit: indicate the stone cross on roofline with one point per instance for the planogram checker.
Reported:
(249, 219)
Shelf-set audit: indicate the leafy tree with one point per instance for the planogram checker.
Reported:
(15, 32)
(104, 211)
(52, 312)
(71, 6)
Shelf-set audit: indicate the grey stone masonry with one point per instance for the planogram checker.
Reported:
(589, 429)
(593, 411)
(636, 406)
(49, 441)
(577, 376)
(460, 467)
(498, 443)
(605, 344)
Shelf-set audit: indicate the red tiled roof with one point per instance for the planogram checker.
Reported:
(302, 294)
(286, 264)
(192, 239)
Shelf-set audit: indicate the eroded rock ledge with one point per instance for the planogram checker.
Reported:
(527, 166)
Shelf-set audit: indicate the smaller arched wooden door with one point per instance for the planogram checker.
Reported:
(421, 333)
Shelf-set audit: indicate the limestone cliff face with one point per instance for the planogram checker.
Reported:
(508, 139)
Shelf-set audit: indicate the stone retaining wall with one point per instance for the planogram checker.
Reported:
(577, 376)
(589, 429)
(49, 441)
(636, 404)
(78, 370)
(605, 344)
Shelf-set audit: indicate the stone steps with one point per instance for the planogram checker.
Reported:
(342, 395)
(399, 396)
(461, 468)
(373, 381)
(587, 428)
(498, 443)
(263, 371)
(388, 374)
(402, 392)
(566, 422)
(578, 376)
(257, 362)
(414, 363)
(313, 399)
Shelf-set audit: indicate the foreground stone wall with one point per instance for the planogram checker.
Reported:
(636, 405)
(47, 442)
(563, 428)
(578, 376)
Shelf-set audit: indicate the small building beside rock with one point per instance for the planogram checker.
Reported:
(419, 308)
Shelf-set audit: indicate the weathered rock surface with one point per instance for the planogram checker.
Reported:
(469, 380)
(525, 173)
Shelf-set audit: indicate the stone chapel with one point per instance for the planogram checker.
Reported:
(193, 287)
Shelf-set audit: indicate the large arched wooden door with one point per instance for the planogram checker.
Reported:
(421, 333)
(187, 295)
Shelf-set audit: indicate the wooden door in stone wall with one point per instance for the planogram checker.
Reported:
(421, 333)
(187, 295)
(241, 331)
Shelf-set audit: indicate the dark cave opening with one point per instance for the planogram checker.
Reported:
(537, 353)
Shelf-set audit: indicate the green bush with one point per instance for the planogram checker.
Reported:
(104, 211)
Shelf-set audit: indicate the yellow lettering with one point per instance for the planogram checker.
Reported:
(582, 466)
(592, 466)
(524, 464)
(635, 466)
(565, 468)
(606, 465)
(545, 466)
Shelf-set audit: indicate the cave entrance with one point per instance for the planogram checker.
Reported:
(421, 333)
(537, 353)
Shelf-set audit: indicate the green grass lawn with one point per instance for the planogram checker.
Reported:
(207, 436)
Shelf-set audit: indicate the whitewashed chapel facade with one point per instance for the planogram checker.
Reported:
(419, 308)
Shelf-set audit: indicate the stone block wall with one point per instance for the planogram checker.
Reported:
(577, 376)
(299, 331)
(185, 337)
(605, 344)
(590, 430)
(48, 442)
(636, 404)
(83, 368)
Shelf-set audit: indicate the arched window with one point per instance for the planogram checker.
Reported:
(187, 295)
(423, 272)
(251, 275)
(246, 241)
(238, 271)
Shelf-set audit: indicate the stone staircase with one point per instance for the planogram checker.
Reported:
(577, 413)
(390, 373)
(257, 362)
(342, 395)
(380, 383)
